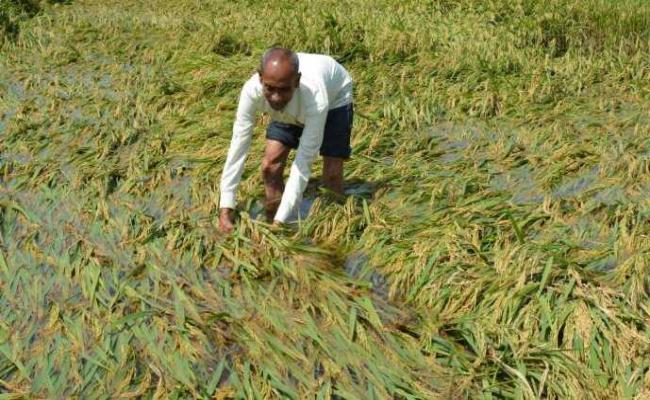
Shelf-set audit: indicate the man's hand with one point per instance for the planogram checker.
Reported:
(278, 227)
(226, 218)
(281, 227)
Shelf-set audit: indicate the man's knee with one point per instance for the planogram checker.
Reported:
(272, 169)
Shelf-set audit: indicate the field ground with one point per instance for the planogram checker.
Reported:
(494, 243)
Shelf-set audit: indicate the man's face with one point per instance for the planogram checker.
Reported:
(278, 83)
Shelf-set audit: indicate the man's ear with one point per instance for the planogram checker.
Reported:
(259, 72)
(297, 79)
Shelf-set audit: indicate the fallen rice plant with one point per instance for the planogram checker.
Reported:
(493, 243)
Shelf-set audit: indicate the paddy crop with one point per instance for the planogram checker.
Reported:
(493, 242)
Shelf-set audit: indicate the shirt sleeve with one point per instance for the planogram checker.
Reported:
(310, 142)
(242, 133)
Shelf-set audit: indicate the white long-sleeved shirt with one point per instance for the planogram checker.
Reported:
(324, 85)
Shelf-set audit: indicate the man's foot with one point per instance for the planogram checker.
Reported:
(270, 211)
(226, 219)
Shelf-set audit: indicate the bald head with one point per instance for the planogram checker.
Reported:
(279, 57)
(279, 76)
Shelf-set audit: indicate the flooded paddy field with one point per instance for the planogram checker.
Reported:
(492, 242)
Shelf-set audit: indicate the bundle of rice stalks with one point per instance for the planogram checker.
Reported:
(492, 242)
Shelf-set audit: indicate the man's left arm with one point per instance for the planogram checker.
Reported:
(310, 143)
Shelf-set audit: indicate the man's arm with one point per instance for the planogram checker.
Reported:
(242, 134)
(310, 142)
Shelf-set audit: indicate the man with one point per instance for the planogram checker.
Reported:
(309, 99)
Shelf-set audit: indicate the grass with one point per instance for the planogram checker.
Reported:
(507, 145)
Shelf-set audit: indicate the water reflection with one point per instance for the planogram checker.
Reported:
(359, 189)
(356, 267)
(605, 264)
(577, 186)
(521, 184)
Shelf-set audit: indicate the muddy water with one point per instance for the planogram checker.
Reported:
(455, 139)
(356, 267)
(577, 186)
(605, 264)
(611, 196)
(364, 189)
(521, 184)
(359, 189)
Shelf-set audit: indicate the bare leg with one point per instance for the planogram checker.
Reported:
(275, 158)
(333, 174)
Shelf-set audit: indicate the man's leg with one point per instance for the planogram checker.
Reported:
(275, 158)
(336, 146)
(333, 174)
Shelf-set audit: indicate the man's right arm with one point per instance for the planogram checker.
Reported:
(242, 134)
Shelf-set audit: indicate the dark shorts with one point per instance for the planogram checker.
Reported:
(336, 138)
